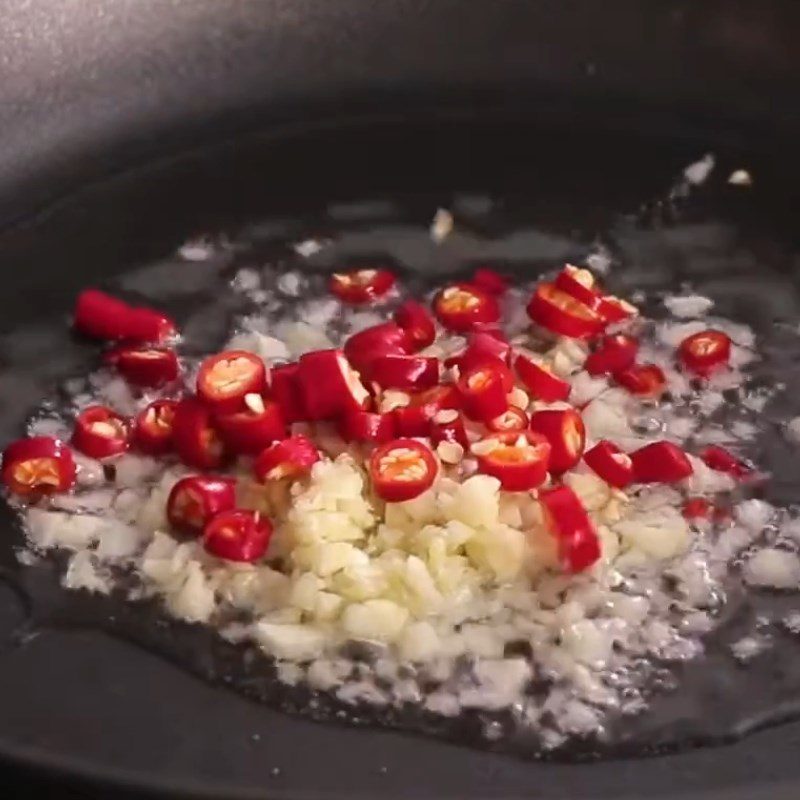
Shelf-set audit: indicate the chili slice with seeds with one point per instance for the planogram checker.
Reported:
(249, 431)
(144, 366)
(704, 352)
(238, 535)
(460, 307)
(292, 457)
(565, 431)
(417, 322)
(38, 465)
(197, 442)
(225, 378)
(579, 283)
(329, 385)
(567, 520)
(361, 285)
(643, 380)
(615, 353)
(100, 432)
(562, 314)
(540, 381)
(152, 428)
(518, 459)
(610, 464)
(194, 500)
(402, 469)
(483, 393)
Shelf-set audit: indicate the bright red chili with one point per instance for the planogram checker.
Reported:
(379, 340)
(144, 366)
(292, 457)
(722, 460)
(366, 426)
(38, 465)
(414, 419)
(512, 419)
(417, 322)
(460, 307)
(102, 316)
(614, 309)
(249, 431)
(361, 285)
(567, 520)
(285, 389)
(485, 346)
(483, 393)
(610, 464)
(518, 459)
(225, 378)
(660, 462)
(196, 439)
(697, 508)
(238, 535)
(540, 381)
(409, 373)
(615, 353)
(561, 313)
(329, 385)
(402, 469)
(152, 428)
(193, 501)
(100, 432)
(565, 431)
(489, 280)
(578, 283)
(643, 380)
(450, 430)
(705, 351)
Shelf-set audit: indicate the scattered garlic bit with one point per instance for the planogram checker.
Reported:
(442, 225)
(688, 306)
(308, 247)
(793, 430)
(450, 452)
(773, 568)
(199, 249)
(740, 177)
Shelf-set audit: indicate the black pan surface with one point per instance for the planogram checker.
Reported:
(78, 701)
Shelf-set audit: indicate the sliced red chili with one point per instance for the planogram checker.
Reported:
(366, 426)
(196, 439)
(152, 428)
(361, 285)
(379, 340)
(100, 432)
(540, 381)
(512, 419)
(610, 464)
(518, 459)
(460, 307)
(697, 508)
(489, 280)
(248, 432)
(660, 462)
(643, 380)
(285, 389)
(483, 393)
(567, 520)
(103, 316)
(578, 283)
(144, 366)
(722, 460)
(329, 385)
(561, 313)
(193, 501)
(225, 378)
(704, 352)
(614, 309)
(402, 469)
(565, 431)
(614, 353)
(409, 373)
(414, 419)
(292, 457)
(238, 535)
(485, 346)
(450, 430)
(417, 322)
(38, 465)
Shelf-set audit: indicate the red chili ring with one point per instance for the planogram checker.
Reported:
(153, 427)
(415, 418)
(512, 419)
(225, 378)
(144, 366)
(194, 500)
(643, 380)
(100, 432)
(417, 322)
(614, 354)
(704, 352)
(562, 314)
(285, 389)
(578, 544)
(329, 385)
(38, 465)
(408, 373)
(660, 462)
(238, 535)
(197, 442)
(248, 432)
(361, 285)
(402, 469)
(565, 431)
(610, 464)
(290, 458)
(579, 283)
(519, 461)
(379, 340)
(483, 393)
(460, 307)
(366, 426)
(540, 381)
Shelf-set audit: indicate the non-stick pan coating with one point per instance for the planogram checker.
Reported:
(78, 701)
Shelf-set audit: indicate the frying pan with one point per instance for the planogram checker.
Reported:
(128, 125)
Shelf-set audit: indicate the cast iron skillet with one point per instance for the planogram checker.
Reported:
(129, 124)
